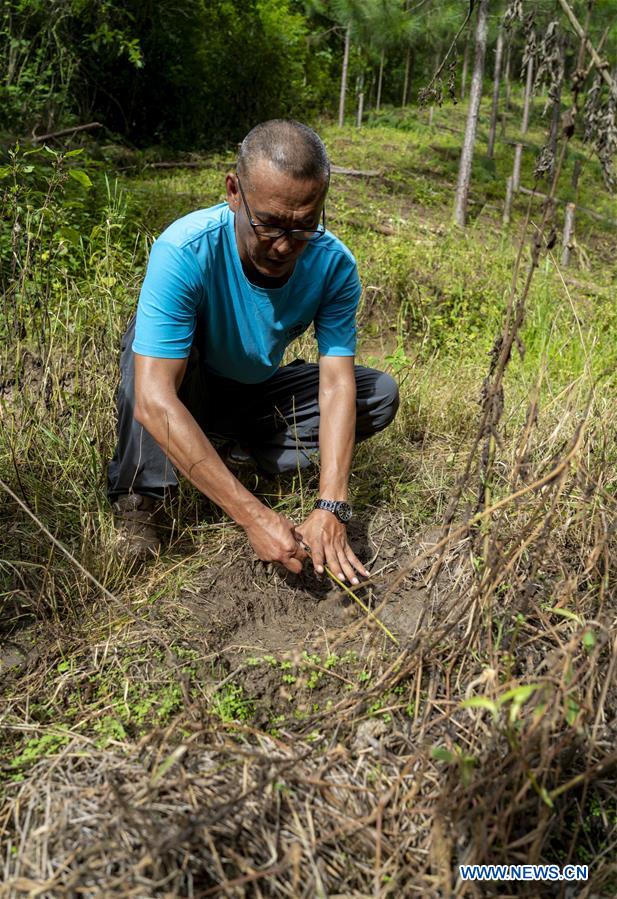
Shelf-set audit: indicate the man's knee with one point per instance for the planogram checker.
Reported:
(387, 389)
(379, 405)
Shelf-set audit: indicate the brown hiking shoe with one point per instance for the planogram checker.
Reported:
(137, 519)
(237, 457)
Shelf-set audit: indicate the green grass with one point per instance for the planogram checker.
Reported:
(109, 675)
(433, 304)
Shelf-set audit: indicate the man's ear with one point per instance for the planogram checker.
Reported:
(233, 194)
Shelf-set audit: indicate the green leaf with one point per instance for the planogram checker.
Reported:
(572, 710)
(74, 152)
(480, 702)
(80, 176)
(167, 763)
(589, 640)
(566, 613)
(441, 754)
(5, 171)
(518, 694)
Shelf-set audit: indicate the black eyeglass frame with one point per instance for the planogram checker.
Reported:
(259, 228)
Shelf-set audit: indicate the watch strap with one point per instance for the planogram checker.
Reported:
(328, 505)
(341, 509)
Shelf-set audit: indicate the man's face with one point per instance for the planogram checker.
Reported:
(274, 198)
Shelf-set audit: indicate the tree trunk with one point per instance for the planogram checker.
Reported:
(527, 103)
(555, 120)
(380, 80)
(341, 105)
(465, 68)
(506, 75)
(576, 173)
(568, 234)
(368, 94)
(431, 110)
(518, 150)
(507, 209)
(406, 80)
(495, 107)
(475, 94)
(555, 117)
(360, 101)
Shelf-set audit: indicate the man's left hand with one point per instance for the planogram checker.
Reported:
(326, 538)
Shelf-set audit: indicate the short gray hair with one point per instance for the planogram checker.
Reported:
(289, 146)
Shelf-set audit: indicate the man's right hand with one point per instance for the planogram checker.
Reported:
(272, 536)
(169, 422)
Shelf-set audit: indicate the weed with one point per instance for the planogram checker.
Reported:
(230, 704)
(507, 677)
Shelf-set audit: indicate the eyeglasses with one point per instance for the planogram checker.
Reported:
(271, 232)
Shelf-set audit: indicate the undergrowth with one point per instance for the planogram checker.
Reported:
(488, 736)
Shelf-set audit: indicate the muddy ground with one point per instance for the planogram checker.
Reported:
(245, 608)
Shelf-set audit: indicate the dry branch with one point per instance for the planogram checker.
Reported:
(177, 165)
(355, 173)
(602, 65)
(91, 126)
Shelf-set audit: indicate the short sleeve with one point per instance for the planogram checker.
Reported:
(168, 302)
(335, 322)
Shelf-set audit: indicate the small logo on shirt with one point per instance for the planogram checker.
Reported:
(296, 330)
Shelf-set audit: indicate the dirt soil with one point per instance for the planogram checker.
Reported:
(250, 608)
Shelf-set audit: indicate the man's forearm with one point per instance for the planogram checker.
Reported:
(337, 427)
(187, 447)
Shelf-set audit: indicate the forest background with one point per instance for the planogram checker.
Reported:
(202, 725)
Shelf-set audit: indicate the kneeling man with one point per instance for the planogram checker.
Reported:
(226, 291)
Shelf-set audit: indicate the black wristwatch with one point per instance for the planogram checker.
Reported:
(340, 508)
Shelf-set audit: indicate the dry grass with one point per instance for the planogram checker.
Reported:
(144, 755)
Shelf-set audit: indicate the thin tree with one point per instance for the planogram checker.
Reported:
(360, 108)
(506, 76)
(406, 76)
(518, 150)
(341, 102)
(465, 69)
(495, 104)
(556, 108)
(382, 60)
(475, 95)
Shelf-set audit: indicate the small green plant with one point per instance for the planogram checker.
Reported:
(456, 756)
(36, 748)
(230, 704)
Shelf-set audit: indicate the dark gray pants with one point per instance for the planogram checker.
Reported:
(277, 420)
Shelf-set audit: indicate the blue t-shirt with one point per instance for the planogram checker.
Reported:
(195, 287)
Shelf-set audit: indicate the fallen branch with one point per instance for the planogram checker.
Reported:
(177, 165)
(387, 230)
(37, 138)
(355, 173)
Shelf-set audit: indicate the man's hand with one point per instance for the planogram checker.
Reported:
(272, 536)
(326, 537)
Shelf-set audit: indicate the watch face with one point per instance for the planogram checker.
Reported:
(343, 512)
